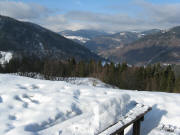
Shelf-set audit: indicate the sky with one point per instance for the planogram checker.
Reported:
(104, 15)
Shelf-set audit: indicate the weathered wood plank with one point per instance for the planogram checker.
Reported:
(135, 121)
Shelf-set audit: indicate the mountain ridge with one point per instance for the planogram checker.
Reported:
(105, 44)
(29, 39)
(163, 47)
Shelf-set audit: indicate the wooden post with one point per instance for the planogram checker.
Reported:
(121, 133)
(136, 127)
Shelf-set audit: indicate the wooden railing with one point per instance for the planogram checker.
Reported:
(136, 125)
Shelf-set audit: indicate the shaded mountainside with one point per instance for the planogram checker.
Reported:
(103, 44)
(161, 47)
(24, 38)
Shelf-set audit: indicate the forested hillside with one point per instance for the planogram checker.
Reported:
(32, 40)
(151, 78)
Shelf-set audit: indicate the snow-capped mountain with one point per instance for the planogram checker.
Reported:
(79, 39)
(82, 36)
(31, 40)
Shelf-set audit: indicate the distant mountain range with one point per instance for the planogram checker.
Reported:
(31, 40)
(163, 47)
(19, 39)
(105, 44)
(138, 48)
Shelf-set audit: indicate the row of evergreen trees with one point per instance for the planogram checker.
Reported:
(151, 78)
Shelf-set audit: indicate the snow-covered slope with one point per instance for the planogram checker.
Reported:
(40, 107)
(30, 106)
(81, 39)
(5, 57)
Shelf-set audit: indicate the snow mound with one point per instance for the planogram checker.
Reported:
(5, 57)
(30, 107)
(79, 106)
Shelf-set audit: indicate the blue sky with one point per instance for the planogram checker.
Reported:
(102, 6)
(91, 5)
(107, 15)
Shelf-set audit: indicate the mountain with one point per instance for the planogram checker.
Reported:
(104, 43)
(82, 36)
(31, 40)
(150, 32)
(163, 47)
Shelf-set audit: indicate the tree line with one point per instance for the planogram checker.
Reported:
(150, 78)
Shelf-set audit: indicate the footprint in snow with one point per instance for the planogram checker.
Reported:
(10, 127)
(76, 94)
(25, 104)
(29, 98)
(76, 109)
(33, 86)
(16, 97)
(1, 100)
(12, 117)
(21, 87)
(60, 132)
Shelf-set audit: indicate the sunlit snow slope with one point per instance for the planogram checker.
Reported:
(38, 107)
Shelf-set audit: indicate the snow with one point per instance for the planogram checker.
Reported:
(41, 46)
(116, 39)
(121, 46)
(84, 106)
(88, 82)
(72, 80)
(82, 39)
(5, 57)
(122, 33)
(30, 106)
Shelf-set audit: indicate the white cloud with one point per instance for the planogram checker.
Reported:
(153, 16)
(166, 15)
(20, 10)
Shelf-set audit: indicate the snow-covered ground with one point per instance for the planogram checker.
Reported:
(40, 107)
(5, 57)
(81, 39)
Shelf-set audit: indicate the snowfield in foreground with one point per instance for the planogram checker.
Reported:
(83, 107)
